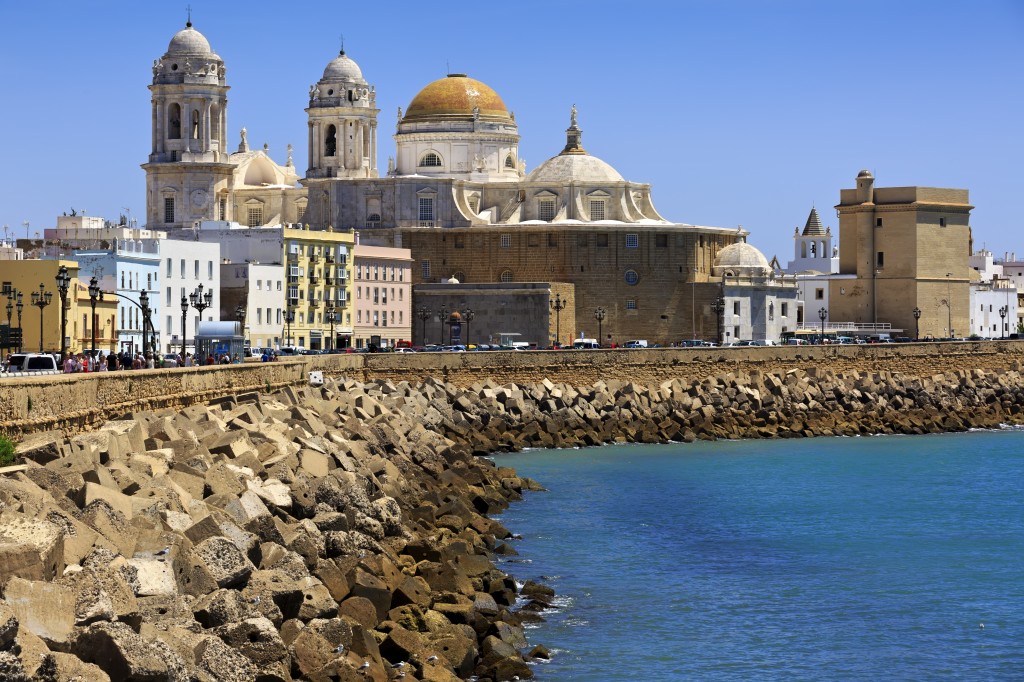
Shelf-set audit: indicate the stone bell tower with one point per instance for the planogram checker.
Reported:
(188, 168)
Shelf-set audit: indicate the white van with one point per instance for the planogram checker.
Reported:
(637, 343)
(585, 344)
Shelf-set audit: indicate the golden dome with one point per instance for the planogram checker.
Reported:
(455, 97)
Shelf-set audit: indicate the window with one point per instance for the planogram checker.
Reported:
(506, 241)
(819, 294)
(661, 241)
(149, 281)
(533, 240)
(942, 222)
(209, 269)
(602, 240)
(785, 309)
(183, 268)
(195, 268)
(255, 214)
(173, 122)
(510, 162)
(581, 240)
(223, 209)
(878, 222)
(596, 209)
(460, 241)
(259, 285)
(431, 159)
(169, 209)
(169, 296)
(170, 267)
(880, 259)
(735, 307)
(553, 240)
(632, 241)
(506, 276)
(331, 141)
(425, 270)
(259, 316)
(630, 304)
(771, 311)
(426, 212)
(546, 209)
(373, 220)
(632, 277)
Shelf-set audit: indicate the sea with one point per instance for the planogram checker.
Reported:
(869, 558)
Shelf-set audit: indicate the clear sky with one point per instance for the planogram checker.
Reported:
(738, 112)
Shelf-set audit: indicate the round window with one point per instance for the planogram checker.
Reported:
(174, 67)
(631, 277)
(330, 92)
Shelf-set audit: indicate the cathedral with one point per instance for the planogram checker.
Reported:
(454, 192)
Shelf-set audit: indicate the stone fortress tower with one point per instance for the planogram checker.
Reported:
(188, 160)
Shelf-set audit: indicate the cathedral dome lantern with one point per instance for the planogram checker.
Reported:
(343, 68)
(458, 127)
(189, 41)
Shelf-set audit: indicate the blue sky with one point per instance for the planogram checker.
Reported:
(737, 112)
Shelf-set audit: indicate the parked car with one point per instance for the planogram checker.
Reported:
(24, 364)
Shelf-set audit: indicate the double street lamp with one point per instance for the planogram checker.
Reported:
(558, 305)
(240, 316)
(200, 302)
(443, 317)
(94, 294)
(599, 315)
(20, 306)
(424, 314)
(917, 324)
(40, 299)
(184, 320)
(333, 316)
(148, 342)
(289, 317)
(822, 314)
(63, 283)
(1002, 316)
(718, 307)
(468, 316)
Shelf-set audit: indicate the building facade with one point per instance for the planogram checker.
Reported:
(382, 301)
(186, 265)
(908, 247)
(260, 291)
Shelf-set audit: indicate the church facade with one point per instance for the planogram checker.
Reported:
(455, 193)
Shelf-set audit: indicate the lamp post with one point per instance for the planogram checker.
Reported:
(822, 314)
(693, 308)
(917, 324)
(1002, 326)
(424, 315)
(240, 316)
(718, 307)
(443, 317)
(599, 315)
(468, 316)
(332, 312)
(184, 324)
(94, 295)
(200, 302)
(144, 305)
(10, 309)
(63, 282)
(558, 305)
(949, 307)
(289, 317)
(41, 299)
(20, 306)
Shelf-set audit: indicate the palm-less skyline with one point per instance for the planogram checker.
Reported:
(737, 112)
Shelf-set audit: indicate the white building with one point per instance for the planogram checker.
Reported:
(759, 305)
(185, 266)
(813, 249)
(260, 289)
(993, 309)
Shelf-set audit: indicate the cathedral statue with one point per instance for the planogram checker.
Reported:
(243, 146)
(572, 117)
(290, 162)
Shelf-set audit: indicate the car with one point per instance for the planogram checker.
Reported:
(763, 342)
(404, 350)
(170, 360)
(688, 343)
(25, 364)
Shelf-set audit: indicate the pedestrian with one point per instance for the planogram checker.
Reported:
(69, 364)
(210, 360)
(103, 363)
(188, 359)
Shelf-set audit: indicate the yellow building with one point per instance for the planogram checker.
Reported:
(318, 264)
(25, 277)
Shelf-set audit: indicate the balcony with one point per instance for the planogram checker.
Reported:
(293, 258)
(313, 260)
(313, 303)
(330, 258)
(329, 279)
(293, 279)
(314, 279)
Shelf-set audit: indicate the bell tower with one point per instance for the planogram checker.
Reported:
(342, 123)
(188, 161)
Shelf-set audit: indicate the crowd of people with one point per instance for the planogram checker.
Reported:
(112, 362)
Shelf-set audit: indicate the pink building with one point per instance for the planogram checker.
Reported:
(382, 289)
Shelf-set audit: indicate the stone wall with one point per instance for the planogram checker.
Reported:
(76, 403)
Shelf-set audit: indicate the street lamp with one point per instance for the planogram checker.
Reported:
(424, 315)
(822, 314)
(332, 316)
(443, 317)
(917, 324)
(718, 307)
(693, 306)
(468, 316)
(94, 295)
(1002, 316)
(289, 317)
(10, 309)
(200, 302)
(599, 315)
(63, 282)
(20, 306)
(240, 315)
(41, 299)
(558, 305)
(184, 325)
(949, 308)
(146, 323)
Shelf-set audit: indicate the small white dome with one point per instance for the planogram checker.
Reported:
(342, 68)
(189, 41)
(742, 259)
(574, 168)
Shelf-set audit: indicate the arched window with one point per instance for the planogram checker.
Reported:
(174, 122)
(431, 159)
(460, 275)
(194, 129)
(214, 122)
(510, 162)
(506, 276)
(373, 220)
(331, 141)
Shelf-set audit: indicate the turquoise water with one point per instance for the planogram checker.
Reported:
(821, 559)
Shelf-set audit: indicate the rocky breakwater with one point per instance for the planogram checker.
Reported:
(317, 534)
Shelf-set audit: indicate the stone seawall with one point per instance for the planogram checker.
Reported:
(80, 402)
